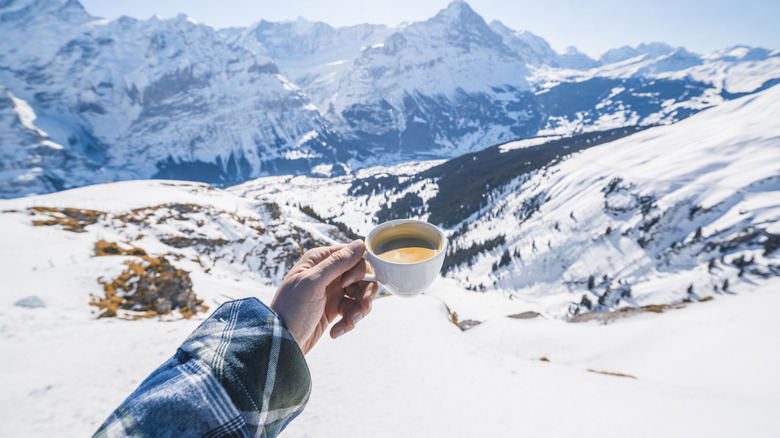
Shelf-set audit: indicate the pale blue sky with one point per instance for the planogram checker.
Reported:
(593, 26)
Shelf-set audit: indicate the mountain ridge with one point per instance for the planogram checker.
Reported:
(177, 99)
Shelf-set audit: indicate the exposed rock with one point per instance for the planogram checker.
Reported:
(524, 315)
(71, 219)
(467, 324)
(150, 284)
(31, 302)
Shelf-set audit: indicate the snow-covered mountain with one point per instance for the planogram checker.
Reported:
(453, 84)
(593, 222)
(424, 88)
(157, 98)
(177, 99)
(311, 54)
(29, 161)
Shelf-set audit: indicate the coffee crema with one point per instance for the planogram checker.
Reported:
(406, 249)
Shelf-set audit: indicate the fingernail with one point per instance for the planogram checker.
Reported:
(356, 246)
(338, 332)
(356, 318)
(348, 283)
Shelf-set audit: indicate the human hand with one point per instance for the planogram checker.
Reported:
(326, 282)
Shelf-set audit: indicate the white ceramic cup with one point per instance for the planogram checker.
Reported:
(405, 279)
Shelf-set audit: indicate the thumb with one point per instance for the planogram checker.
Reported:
(340, 261)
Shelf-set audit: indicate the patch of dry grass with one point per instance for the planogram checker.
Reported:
(150, 286)
(105, 248)
(186, 242)
(71, 219)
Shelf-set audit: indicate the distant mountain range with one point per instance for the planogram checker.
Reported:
(83, 99)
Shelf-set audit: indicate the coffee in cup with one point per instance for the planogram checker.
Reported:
(405, 249)
(406, 255)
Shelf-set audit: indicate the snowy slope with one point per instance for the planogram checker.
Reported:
(657, 217)
(202, 230)
(706, 369)
(671, 213)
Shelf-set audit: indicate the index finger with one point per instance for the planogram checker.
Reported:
(314, 256)
(338, 262)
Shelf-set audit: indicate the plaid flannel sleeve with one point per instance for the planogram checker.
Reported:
(239, 374)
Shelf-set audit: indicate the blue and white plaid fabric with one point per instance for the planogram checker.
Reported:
(239, 374)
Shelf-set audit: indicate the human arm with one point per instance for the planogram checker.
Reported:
(242, 371)
(239, 372)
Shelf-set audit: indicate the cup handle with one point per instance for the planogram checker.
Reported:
(369, 276)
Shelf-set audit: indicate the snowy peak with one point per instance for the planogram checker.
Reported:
(462, 26)
(742, 53)
(574, 59)
(458, 11)
(653, 50)
(313, 42)
(536, 51)
(22, 11)
(455, 36)
(533, 49)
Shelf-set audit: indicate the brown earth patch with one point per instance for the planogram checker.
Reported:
(172, 211)
(150, 285)
(71, 219)
(186, 242)
(105, 248)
